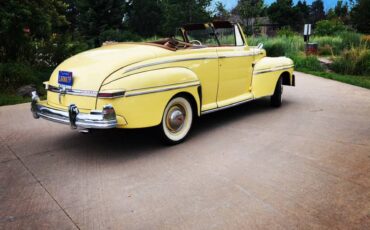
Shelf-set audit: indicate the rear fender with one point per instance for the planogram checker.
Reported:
(147, 94)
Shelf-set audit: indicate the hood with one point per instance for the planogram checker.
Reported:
(90, 68)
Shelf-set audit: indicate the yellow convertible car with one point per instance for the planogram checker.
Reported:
(168, 83)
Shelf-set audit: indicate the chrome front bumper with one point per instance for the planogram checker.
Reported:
(96, 119)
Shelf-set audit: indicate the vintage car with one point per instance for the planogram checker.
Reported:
(168, 83)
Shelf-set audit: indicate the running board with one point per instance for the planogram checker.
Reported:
(226, 107)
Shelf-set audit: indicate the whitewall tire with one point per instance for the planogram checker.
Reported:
(177, 121)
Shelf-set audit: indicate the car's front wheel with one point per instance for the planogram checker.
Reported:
(177, 121)
(277, 97)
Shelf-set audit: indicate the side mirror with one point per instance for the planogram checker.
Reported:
(260, 46)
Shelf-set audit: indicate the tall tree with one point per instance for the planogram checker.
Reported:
(221, 12)
(249, 10)
(282, 12)
(341, 9)
(302, 12)
(178, 12)
(97, 16)
(25, 21)
(71, 14)
(317, 12)
(144, 16)
(360, 16)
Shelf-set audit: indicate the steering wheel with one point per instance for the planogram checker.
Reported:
(196, 41)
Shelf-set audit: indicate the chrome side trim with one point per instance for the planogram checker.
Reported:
(156, 90)
(239, 55)
(87, 93)
(76, 92)
(111, 97)
(273, 69)
(168, 61)
(226, 107)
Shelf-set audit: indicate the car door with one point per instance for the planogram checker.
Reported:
(235, 71)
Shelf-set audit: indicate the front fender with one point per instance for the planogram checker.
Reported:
(267, 64)
(147, 94)
(266, 73)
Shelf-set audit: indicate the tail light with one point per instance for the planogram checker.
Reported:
(111, 94)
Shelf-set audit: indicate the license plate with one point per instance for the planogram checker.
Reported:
(65, 78)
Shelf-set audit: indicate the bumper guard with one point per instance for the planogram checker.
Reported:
(96, 119)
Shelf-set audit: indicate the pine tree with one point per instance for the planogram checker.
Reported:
(249, 10)
(96, 16)
(360, 16)
(317, 12)
(145, 17)
(179, 12)
(302, 12)
(282, 12)
(221, 12)
(23, 22)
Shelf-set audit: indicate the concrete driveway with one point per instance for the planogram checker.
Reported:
(305, 165)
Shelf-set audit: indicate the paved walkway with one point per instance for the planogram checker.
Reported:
(305, 165)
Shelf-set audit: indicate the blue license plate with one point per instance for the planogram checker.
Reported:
(65, 78)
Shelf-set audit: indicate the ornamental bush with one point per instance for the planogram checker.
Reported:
(354, 61)
(329, 27)
(15, 75)
(302, 62)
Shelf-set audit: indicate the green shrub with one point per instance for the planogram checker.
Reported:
(329, 27)
(328, 44)
(326, 50)
(15, 75)
(6, 99)
(365, 39)
(275, 49)
(286, 31)
(336, 44)
(350, 39)
(279, 46)
(54, 51)
(118, 36)
(302, 62)
(354, 61)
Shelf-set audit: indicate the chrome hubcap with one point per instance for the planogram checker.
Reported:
(175, 118)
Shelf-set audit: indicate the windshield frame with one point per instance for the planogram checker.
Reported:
(214, 26)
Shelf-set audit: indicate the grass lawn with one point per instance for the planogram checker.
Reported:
(362, 81)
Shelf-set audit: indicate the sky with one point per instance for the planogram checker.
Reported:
(328, 3)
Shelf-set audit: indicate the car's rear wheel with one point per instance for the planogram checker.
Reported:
(177, 121)
(277, 97)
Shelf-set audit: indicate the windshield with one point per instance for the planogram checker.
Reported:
(226, 36)
(218, 33)
(204, 36)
